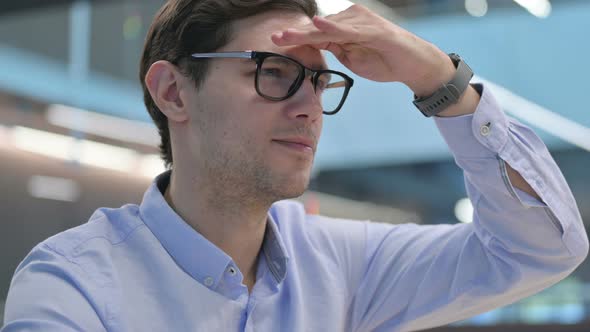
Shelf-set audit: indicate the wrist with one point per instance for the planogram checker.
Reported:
(439, 74)
(467, 104)
(448, 94)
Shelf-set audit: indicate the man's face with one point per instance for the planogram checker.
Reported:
(243, 140)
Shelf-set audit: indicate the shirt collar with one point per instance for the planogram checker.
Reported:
(274, 250)
(196, 255)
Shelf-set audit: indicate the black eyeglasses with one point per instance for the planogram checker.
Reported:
(278, 77)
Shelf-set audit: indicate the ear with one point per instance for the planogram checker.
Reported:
(164, 82)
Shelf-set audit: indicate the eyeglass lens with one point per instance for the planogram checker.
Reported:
(279, 76)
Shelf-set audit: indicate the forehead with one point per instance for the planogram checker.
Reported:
(253, 33)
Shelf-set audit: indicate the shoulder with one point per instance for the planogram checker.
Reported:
(316, 242)
(332, 236)
(110, 226)
(340, 235)
(71, 274)
(87, 249)
(290, 216)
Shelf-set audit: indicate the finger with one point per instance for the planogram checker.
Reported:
(311, 26)
(351, 15)
(293, 37)
(338, 52)
(347, 13)
(325, 31)
(331, 23)
(330, 26)
(355, 10)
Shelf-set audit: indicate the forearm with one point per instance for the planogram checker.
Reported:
(499, 155)
(466, 105)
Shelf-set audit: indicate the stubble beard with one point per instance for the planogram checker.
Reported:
(241, 180)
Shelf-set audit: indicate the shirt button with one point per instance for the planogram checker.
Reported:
(208, 281)
(485, 129)
(231, 270)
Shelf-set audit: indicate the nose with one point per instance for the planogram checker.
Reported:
(305, 104)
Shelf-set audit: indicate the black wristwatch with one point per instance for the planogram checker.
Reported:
(449, 93)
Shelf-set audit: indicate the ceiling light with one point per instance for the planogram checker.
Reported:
(477, 8)
(70, 149)
(41, 142)
(85, 152)
(103, 125)
(539, 8)
(464, 210)
(54, 188)
(151, 165)
(107, 156)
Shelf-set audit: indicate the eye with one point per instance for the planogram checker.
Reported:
(272, 72)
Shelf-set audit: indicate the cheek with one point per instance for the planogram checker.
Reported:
(235, 116)
(236, 133)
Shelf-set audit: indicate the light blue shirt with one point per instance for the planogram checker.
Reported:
(142, 268)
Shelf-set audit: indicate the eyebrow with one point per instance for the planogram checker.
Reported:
(314, 66)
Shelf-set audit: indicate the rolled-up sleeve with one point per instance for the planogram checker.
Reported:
(421, 276)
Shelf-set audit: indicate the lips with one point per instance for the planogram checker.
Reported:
(299, 143)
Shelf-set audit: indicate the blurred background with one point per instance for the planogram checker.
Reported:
(75, 136)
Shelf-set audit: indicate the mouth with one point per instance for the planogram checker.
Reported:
(297, 146)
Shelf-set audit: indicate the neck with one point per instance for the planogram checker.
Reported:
(234, 224)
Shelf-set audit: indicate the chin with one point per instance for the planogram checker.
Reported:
(293, 188)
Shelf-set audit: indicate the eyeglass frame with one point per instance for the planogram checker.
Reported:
(259, 58)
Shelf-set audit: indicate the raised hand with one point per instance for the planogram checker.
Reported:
(374, 48)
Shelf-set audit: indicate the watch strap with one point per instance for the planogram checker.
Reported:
(449, 93)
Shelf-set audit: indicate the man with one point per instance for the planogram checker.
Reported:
(211, 248)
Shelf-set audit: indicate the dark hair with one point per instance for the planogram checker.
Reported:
(183, 27)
